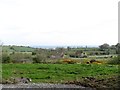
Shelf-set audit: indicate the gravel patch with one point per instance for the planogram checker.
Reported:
(41, 85)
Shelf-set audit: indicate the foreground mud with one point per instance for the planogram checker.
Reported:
(92, 82)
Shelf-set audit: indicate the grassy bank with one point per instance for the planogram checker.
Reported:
(62, 73)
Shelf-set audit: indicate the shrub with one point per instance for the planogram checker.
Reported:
(69, 61)
(5, 59)
(115, 60)
(40, 58)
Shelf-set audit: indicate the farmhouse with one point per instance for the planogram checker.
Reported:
(57, 55)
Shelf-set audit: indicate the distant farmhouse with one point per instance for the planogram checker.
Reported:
(57, 55)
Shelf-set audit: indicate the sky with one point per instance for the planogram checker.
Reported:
(58, 22)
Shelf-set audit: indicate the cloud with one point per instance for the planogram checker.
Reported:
(51, 22)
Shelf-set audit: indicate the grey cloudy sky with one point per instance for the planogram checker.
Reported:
(58, 22)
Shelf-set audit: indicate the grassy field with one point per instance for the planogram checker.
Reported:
(64, 73)
(17, 49)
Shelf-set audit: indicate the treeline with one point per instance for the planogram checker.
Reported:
(40, 55)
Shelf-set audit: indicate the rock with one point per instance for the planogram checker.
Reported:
(25, 80)
(20, 80)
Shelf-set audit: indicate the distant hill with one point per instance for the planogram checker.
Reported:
(18, 48)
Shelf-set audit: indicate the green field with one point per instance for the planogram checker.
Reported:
(63, 73)
(17, 48)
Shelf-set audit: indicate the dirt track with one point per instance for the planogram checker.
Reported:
(43, 85)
